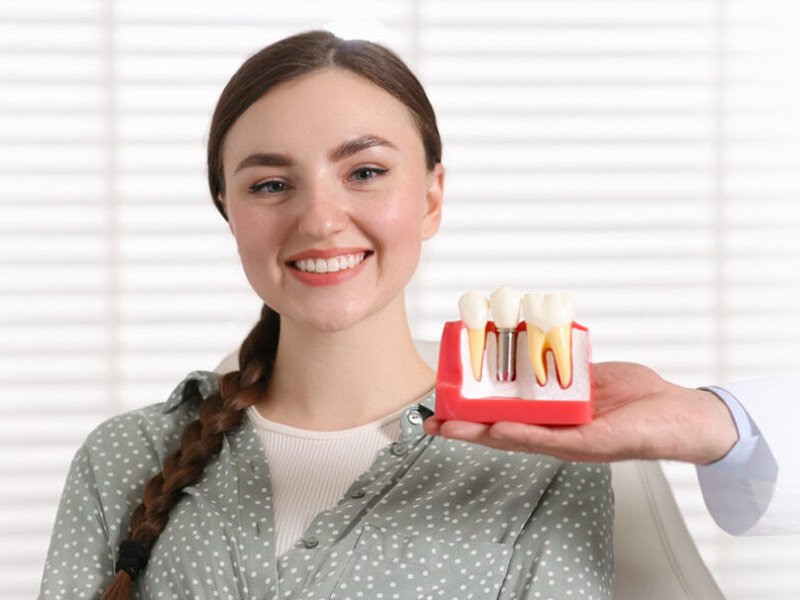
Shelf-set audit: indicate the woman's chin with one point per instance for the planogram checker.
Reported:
(342, 318)
(325, 321)
(346, 309)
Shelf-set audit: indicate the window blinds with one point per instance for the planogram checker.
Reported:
(640, 154)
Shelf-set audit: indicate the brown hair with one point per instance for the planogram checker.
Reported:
(303, 54)
(224, 410)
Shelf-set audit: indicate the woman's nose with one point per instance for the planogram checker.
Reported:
(322, 214)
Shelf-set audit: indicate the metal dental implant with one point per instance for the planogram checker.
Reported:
(505, 310)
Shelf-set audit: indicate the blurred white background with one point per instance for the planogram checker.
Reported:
(642, 155)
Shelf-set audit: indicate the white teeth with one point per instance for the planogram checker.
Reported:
(329, 265)
(332, 265)
(474, 310)
(548, 310)
(549, 327)
(548, 319)
(505, 308)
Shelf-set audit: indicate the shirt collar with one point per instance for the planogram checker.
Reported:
(415, 415)
(195, 386)
(199, 384)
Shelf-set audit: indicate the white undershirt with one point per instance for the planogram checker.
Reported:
(311, 470)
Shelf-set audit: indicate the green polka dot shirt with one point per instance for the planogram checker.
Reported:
(431, 518)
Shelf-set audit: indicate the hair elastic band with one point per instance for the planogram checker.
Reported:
(132, 558)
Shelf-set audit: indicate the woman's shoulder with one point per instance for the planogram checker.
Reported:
(156, 427)
(111, 469)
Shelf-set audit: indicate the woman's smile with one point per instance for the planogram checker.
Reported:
(327, 267)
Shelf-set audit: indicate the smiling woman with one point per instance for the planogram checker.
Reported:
(307, 473)
(336, 183)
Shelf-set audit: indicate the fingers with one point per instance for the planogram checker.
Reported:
(638, 414)
(431, 426)
(565, 443)
(477, 433)
(462, 430)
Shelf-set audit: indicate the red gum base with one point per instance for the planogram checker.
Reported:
(450, 404)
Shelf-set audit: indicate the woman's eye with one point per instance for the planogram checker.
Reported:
(367, 173)
(273, 186)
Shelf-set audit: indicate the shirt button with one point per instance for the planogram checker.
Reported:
(311, 542)
(357, 494)
(414, 417)
(399, 449)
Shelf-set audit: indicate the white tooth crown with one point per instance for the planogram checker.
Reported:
(546, 311)
(473, 307)
(505, 308)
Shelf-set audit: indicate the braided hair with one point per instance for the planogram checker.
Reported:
(220, 412)
(223, 411)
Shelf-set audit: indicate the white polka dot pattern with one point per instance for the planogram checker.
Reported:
(433, 518)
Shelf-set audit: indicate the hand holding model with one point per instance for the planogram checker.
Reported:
(742, 437)
(638, 414)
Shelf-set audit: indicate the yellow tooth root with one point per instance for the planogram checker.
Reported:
(536, 349)
(477, 340)
(559, 339)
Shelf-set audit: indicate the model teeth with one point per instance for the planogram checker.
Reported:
(329, 265)
(505, 308)
(474, 310)
(548, 318)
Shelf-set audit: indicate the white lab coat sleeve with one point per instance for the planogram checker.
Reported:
(755, 489)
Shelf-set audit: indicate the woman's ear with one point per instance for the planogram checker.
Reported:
(433, 202)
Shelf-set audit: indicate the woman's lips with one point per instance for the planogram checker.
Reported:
(327, 267)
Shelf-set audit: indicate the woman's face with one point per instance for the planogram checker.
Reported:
(329, 199)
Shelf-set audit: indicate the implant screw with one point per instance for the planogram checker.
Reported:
(505, 304)
(506, 355)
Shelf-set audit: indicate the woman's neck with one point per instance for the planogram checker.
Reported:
(343, 379)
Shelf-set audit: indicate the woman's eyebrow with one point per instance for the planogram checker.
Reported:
(357, 145)
(269, 159)
(262, 159)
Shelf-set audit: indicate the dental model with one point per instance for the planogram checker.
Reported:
(534, 371)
